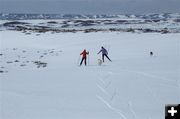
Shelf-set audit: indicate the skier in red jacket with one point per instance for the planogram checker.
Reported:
(84, 56)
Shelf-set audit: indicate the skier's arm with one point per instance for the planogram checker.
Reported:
(99, 51)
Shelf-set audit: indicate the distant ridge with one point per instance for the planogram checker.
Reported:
(14, 16)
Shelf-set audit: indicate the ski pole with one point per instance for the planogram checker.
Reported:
(78, 60)
(88, 58)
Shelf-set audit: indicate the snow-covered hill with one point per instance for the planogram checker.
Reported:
(55, 23)
(15, 16)
(40, 77)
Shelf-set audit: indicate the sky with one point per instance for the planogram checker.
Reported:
(90, 6)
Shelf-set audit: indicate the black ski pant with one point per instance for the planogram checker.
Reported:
(83, 59)
(106, 57)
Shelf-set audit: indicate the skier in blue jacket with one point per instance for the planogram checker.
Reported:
(104, 53)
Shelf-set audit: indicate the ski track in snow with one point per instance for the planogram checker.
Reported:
(103, 90)
(114, 94)
(149, 75)
(111, 108)
(111, 96)
(101, 80)
(108, 84)
(131, 109)
(130, 106)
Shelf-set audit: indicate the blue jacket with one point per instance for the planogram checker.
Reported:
(104, 51)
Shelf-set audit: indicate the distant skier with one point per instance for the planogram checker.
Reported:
(104, 53)
(84, 57)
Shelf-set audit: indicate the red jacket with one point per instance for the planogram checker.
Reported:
(84, 53)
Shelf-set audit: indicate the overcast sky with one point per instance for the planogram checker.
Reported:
(90, 6)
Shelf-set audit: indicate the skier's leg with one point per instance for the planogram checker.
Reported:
(108, 57)
(81, 61)
(85, 61)
(103, 57)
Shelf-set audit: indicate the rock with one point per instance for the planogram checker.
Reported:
(22, 65)
(8, 62)
(14, 23)
(41, 56)
(16, 61)
(52, 22)
(1, 71)
(51, 52)
(40, 64)
(2, 67)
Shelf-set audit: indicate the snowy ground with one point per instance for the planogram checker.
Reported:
(133, 86)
